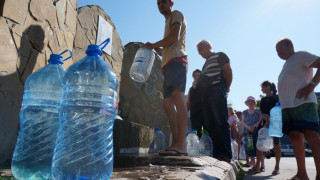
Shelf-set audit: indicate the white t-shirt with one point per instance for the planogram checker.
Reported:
(232, 118)
(295, 75)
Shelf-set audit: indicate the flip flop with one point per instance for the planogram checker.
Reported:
(275, 172)
(254, 171)
(172, 152)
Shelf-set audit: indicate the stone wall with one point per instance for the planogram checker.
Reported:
(31, 30)
(142, 102)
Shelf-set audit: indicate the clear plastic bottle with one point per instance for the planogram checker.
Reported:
(39, 122)
(142, 65)
(264, 142)
(193, 143)
(242, 153)
(234, 147)
(205, 144)
(275, 127)
(158, 141)
(84, 146)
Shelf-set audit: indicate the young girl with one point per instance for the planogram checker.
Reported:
(250, 120)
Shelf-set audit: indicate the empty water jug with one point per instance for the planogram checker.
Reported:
(234, 148)
(193, 143)
(39, 121)
(84, 147)
(205, 144)
(158, 141)
(142, 65)
(264, 142)
(275, 127)
(242, 153)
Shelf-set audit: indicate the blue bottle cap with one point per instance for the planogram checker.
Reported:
(94, 50)
(58, 59)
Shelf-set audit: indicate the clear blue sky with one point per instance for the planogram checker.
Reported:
(245, 30)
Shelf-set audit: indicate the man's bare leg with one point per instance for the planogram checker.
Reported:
(169, 108)
(296, 139)
(314, 140)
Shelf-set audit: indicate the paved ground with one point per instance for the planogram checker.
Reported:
(288, 169)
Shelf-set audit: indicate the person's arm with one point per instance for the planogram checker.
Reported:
(249, 128)
(304, 92)
(227, 75)
(172, 38)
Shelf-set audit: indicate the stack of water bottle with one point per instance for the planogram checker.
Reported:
(196, 147)
(67, 120)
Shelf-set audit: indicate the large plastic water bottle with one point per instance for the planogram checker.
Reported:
(39, 121)
(275, 127)
(234, 147)
(142, 65)
(158, 141)
(264, 142)
(205, 144)
(84, 147)
(242, 153)
(193, 143)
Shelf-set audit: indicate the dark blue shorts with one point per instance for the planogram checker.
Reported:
(299, 118)
(175, 75)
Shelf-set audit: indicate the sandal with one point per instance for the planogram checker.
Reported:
(246, 165)
(254, 171)
(275, 172)
(262, 169)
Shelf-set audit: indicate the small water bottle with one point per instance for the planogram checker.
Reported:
(142, 65)
(275, 127)
(39, 121)
(264, 142)
(158, 141)
(193, 143)
(84, 146)
(234, 147)
(205, 144)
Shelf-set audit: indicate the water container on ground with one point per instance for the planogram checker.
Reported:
(193, 143)
(142, 65)
(39, 121)
(158, 141)
(234, 147)
(205, 144)
(84, 146)
(275, 127)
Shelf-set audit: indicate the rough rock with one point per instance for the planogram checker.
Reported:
(11, 11)
(8, 51)
(44, 10)
(142, 102)
(71, 18)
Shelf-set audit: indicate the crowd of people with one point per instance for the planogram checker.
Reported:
(207, 99)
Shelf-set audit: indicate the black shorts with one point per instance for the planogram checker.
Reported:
(175, 75)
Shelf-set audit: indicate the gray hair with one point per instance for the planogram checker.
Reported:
(204, 43)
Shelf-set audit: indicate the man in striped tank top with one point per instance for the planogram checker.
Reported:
(214, 84)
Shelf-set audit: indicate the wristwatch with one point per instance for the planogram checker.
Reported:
(313, 83)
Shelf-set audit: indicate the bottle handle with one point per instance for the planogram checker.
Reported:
(106, 42)
(65, 52)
